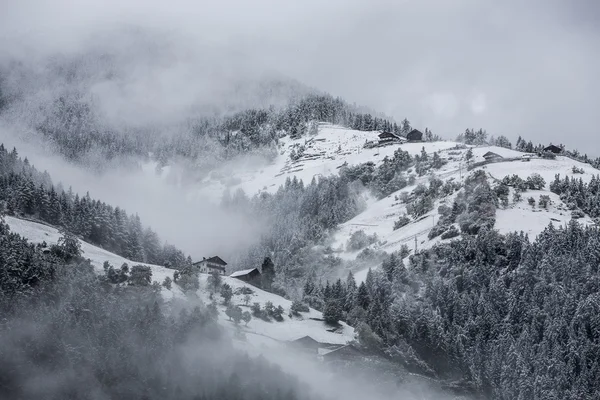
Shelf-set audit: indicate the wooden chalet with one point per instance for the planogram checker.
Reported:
(251, 275)
(211, 265)
(553, 149)
(389, 137)
(415, 136)
(491, 156)
(343, 353)
(309, 345)
(306, 343)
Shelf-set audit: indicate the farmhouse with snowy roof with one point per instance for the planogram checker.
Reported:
(344, 353)
(251, 275)
(389, 137)
(491, 156)
(211, 265)
(553, 149)
(309, 345)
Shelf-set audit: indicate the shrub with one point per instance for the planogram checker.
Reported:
(544, 201)
(420, 189)
(535, 182)
(167, 283)
(234, 313)
(577, 170)
(298, 307)
(246, 317)
(256, 310)
(531, 201)
(359, 240)
(295, 154)
(549, 155)
(188, 280)
(277, 313)
(450, 233)
(403, 198)
(115, 277)
(402, 221)
(243, 290)
(141, 275)
(214, 282)
(576, 214)
(421, 206)
(436, 231)
(332, 312)
(517, 196)
(226, 293)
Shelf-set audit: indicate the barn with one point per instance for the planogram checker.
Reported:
(211, 265)
(415, 136)
(251, 275)
(306, 343)
(553, 149)
(491, 156)
(389, 137)
(344, 353)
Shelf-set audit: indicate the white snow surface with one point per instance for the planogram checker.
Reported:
(335, 146)
(380, 216)
(241, 272)
(324, 154)
(258, 332)
(261, 333)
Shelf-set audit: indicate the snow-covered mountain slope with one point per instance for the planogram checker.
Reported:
(380, 216)
(518, 216)
(258, 333)
(273, 334)
(324, 154)
(37, 233)
(334, 146)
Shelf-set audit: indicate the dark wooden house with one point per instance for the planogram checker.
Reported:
(344, 353)
(491, 156)
(553, 149)
(251, 276)
(415, 136)
(388, 137)
(306, 343)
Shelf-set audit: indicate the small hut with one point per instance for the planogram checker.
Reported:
(553, 149)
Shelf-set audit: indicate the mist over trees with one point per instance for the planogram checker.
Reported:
(26, 192)
(72, 118)
(500, 314)
(69, 333)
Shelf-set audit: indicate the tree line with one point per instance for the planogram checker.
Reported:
(67, 332)
(26, 192)
(500, 314)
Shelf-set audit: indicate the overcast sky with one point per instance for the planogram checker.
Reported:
(527, 67)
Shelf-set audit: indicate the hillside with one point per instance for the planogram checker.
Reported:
(258, 332)
(333, 147)
(323, 155)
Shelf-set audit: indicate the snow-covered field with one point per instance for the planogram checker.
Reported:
(263, 333)
(324, 155)
(259, 333)
(335, 146)
(38, 233)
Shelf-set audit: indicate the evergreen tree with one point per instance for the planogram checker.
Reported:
(268, 274)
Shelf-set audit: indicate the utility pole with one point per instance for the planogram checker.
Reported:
(415, 244)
